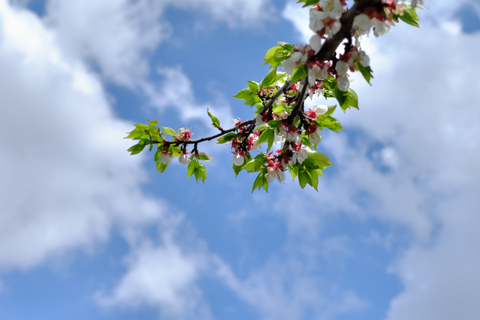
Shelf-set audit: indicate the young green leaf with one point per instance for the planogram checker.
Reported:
(303, 178)
(226, 138)
(258, 183)
(271, 53)
(192, 166)
(137, 148)
(366, 72)
(346, 99)
(293, 171)
(142, 126)
(169, 131)
(313, 178)
(300, 72)
(203, 156)
(253, 86)
(135, 134)
(153, 123)
(243, 94)
(409, 17)
(320, 159)
(265, 136)
(215, 121)
(270, 78)
(201, 173)
(308, 2)
(256, 163)
(161, 167)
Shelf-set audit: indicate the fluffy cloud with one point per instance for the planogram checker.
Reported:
(413, 160)
(117, 35)
(65, 175)
(66, 178)
(286, 288)
(162, 276)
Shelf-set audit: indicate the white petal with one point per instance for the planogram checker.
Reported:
(315, 43)
(238, 160)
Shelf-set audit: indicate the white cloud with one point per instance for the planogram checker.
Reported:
(285, 288)
(67, 179)
(117, 35)
(164, 277)
(176, 92)
(423, 110)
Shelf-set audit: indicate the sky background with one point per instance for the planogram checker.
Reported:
(89, 232)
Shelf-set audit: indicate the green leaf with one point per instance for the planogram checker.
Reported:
(226, 138)
(253, 86)
(300, 72)
(215, 121)
(258, 183)
(203, 156)
(331, 110)
(157, 155)
(135, 149)
(142, 126)
(271, 53)
(329, 122)
(135, 134)
(271, 139)
(175, 150)
(192, 166)
(321, 160)
(153, 123)
(313, 178)
(243, 94)
(161, 167)
(346, 99)
(293, 171)
(201, 173)
(256, 163)
(270, 78)
(169, 131)
(286, 46)
(308, 2)
(265, 136)
(280, 76)
(237, 169)
(366, 72)
(409, 18)
(303, 178)
(278, 109)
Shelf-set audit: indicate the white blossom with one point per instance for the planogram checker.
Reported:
(165, 158)
(381, 27)
(363, 23)
(290, 64)
(316, 137)
(316, 17)
(280, 176)
(271, 174)
(364, 59)
(238, 160)
(184, 159)
(320, 109)
(343, 83)
(317, 73)
(258, 120)
(315, 43)
(341, 67)
(302, 154)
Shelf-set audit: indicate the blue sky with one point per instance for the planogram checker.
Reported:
(88, 231)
